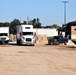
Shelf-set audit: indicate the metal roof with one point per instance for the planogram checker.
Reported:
(73, 23)
(61, 29)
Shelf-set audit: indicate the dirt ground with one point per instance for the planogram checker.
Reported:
(37, 60)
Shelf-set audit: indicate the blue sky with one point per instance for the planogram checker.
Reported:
(48, 11)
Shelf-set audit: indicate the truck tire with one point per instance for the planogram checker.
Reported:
(33, 45)
(58, 43)
(65, 43)
(6, 42)
(18, 42)
(52, 43)
(49, 43)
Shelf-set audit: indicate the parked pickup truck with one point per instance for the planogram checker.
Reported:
(56, 40)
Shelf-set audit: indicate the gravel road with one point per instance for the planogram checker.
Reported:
(37, 60)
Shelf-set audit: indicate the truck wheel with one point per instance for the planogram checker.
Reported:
(6, 42)
(3, 42)
(65, 43)
(49, 43)
(33, 45)
(18, 42)
(58, 43)
(52, 43)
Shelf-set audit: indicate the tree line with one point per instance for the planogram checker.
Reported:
(35, 22)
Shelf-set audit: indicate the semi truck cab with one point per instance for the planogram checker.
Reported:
(26, 35)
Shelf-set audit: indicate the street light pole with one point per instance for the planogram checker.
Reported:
(27, 20)
(65, 11)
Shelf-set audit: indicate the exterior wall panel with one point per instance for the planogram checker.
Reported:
(48, 32)
(73, 32)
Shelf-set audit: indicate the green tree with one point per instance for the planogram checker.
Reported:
(13, 25)
(24, 22)
(6, 24)
(38, 25)
(34, 21)
(1, 24)
(54, 26)
(48, 26)
(38, 20)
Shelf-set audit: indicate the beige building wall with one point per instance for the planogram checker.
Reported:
(41, 33)
(12, 37)
(46, 31)
(73, 32)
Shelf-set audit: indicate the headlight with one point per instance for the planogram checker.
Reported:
(23, 38)
(34, 39)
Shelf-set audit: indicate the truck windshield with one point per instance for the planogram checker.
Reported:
(27, 33)
(3, 34)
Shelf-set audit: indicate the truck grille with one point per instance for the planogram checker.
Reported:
(3, 38)
(28, 39)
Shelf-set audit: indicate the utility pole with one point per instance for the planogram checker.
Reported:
(65, 11)
(27, 20)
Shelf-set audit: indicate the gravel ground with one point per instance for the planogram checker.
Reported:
(37, 60)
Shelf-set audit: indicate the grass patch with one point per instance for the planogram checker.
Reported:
(49, 37)
(73, 39)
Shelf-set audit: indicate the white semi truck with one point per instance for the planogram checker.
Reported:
(26, 35)
(4, 35)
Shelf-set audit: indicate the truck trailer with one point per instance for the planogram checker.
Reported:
(26, 35)
(4, 35)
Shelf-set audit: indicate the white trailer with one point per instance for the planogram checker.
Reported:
(4, 35)
(26, 35)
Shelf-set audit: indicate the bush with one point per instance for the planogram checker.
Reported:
(49, 37)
